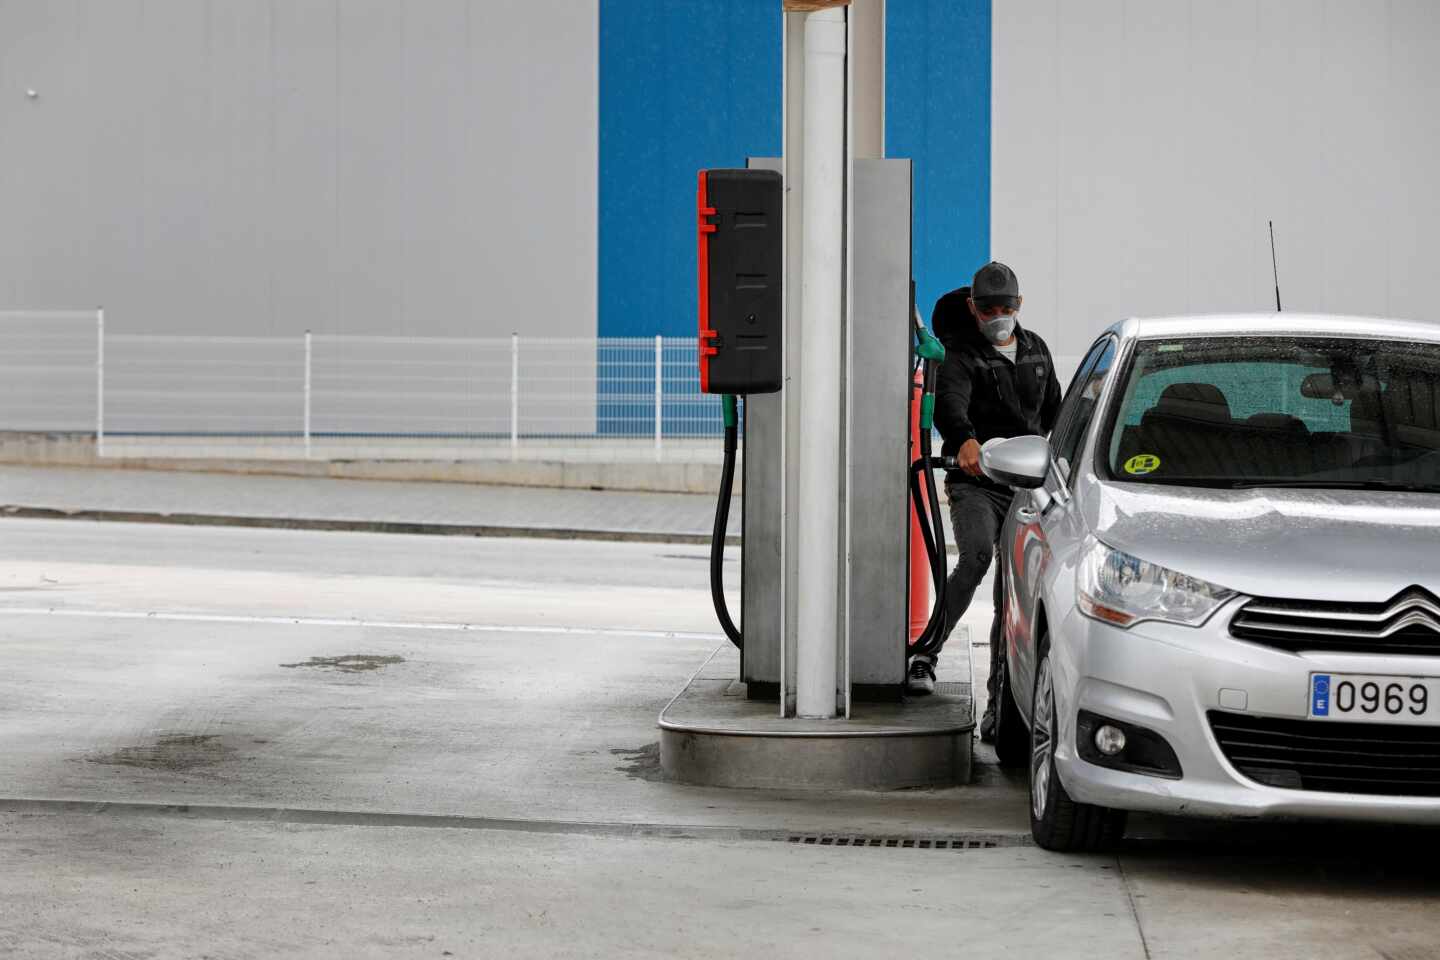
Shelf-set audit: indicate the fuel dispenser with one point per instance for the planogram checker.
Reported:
(741, 353)
(741, 261)
(741, 298)
(837, 465)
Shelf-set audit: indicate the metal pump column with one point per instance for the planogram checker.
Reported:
(826, 511)
(822, 256)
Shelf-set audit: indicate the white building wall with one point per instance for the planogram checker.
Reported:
(1140, 146)
(263, 167)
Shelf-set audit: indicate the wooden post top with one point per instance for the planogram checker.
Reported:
(810, 6)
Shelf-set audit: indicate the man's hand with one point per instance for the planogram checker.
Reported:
(969, 457)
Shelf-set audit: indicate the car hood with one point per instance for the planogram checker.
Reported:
(1345, 545)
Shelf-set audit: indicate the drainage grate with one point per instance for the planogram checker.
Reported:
(954, 842)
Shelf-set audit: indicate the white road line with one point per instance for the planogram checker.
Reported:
(353, 622)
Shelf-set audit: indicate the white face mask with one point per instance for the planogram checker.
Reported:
(999, 329)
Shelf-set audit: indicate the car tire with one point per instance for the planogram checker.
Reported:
(1056, 821)
(1012, 738)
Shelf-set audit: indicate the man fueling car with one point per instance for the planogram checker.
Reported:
(997, 380)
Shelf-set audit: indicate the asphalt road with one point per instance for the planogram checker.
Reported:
(266, 743)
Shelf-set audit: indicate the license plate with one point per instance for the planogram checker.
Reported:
(1365, 698)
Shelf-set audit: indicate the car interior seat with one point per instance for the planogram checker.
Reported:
(1188, 430)
(1411, 402)
(1278, 445)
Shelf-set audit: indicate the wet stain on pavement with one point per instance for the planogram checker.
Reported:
(642, 763)
(170, 752)
(350, 663)
(1405, 952)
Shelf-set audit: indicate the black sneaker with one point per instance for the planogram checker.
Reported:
(921, 679)
(987, 727)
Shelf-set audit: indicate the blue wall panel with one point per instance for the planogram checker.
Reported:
(937, 113)
(683, 86)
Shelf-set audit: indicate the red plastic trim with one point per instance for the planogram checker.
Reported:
(706, 228)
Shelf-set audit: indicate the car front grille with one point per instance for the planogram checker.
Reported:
(1369, 758)
(1407, 624)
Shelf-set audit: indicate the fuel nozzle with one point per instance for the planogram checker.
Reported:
(927, 345)
(931, 353)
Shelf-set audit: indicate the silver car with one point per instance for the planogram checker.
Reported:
(1222, 578)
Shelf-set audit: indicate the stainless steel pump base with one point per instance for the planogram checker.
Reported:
(712, 735)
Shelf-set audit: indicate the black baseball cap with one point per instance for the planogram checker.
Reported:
(995, 285)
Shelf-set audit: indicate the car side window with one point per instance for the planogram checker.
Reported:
(1079, 407)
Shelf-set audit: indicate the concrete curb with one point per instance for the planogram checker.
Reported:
(78, 450)
(825, 836)
(360, 526)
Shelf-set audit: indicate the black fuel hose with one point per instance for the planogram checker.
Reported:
(926, 497)
(924, 494)
(722, 520)
(932, 553)
(938, 616)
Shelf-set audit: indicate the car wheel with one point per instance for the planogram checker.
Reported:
(1056, 821)
(1012, 740)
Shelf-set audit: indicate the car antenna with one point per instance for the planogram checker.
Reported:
(1273, 267)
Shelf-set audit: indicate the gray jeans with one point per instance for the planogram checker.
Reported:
(976, 515)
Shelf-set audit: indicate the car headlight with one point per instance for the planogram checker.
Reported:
(1120, 589)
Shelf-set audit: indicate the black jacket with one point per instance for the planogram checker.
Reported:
(978, 393)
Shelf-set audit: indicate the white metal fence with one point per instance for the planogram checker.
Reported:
(344, 397)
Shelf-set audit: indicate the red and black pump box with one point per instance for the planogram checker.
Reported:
(741, 261)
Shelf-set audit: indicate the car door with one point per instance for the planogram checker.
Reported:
(1040, 521)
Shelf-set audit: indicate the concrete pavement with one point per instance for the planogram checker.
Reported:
(262, 890)
(366, 505)
(245, 743)
(528, 660)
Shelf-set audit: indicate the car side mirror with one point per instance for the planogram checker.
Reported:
(1019, 462)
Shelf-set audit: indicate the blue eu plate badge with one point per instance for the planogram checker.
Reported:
(1320, 695)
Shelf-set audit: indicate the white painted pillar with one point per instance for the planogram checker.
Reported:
(822, 257)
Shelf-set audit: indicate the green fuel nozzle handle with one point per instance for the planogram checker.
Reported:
(732, 414)
(927, 411)
(927, 347)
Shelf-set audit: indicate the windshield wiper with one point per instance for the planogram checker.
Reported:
(1371, 484)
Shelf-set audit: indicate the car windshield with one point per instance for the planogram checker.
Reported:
(1279, 411)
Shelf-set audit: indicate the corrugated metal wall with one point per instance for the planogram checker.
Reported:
(1141, 146)
(683, 86)
(937, 113)
(365, 166)
(344, 166)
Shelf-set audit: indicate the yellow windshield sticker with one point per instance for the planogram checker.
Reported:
(1142, 463)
